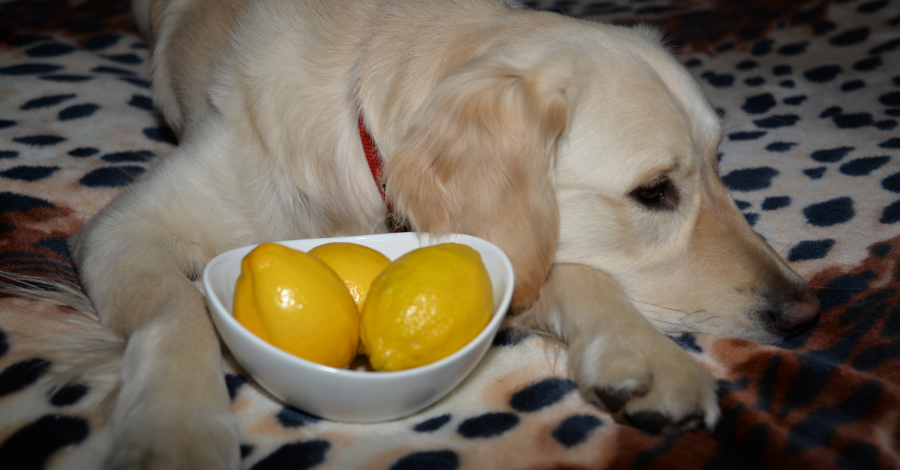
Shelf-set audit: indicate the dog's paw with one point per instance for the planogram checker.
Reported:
(175, 439)
(656, 387)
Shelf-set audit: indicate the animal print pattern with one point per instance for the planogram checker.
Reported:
(809, 94)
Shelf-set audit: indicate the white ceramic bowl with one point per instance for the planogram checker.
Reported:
(353, 395)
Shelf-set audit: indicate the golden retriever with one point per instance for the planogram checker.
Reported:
(585, 151)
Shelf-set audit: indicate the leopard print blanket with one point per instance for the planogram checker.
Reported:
(809, 92)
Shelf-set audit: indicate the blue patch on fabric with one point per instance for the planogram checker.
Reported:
(111, 177)
(880, 250)
(100, 42)
(487, 425)
(718, 81)
(866, 65)
(831, 155)
(137, 82)
(56, 245)
(575, 429)
(40, 140)
(781, 70)
(66, 78)
(34, 444)
(810, 249)
(815, 173)
(161, 134)
(29, 173)
(45, 101)
(832, 212)
(840, 289)
(433, 424)
(428, 460)
(130, 156)
(541, 394)
(29, 69)
(890, 99)
(752, 218)
(234, 382)
(4, 343)
(776, 121)
(775, 203)
(296, 456)
(69, 395)
(142, 102)
(112, 70)
(780, 146)
(864, 166)
(290, 417)
(891, 213)
(19, 202)
(130, 59)
(793, 49)
(818, 427)
(739, 136)
(750, 179)
(794, 100)
(851, 37)
(759, 104)
(82, 152)
(823, 74)
(853, 85)
(754, 81)
(49, 50)
(22, 374)
(78, 111)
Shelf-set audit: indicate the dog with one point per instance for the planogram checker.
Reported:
(585, 151)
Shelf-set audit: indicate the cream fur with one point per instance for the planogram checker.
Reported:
(529, 129)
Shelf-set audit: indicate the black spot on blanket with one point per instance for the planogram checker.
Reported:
(22, 374)
(487, 425)
(541, 395)
(32, 446)
(575, 429)
(429, 460)
(296, 456)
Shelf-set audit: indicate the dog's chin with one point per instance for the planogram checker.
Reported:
(757, 327)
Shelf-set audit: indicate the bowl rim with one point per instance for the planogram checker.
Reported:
(219, 311)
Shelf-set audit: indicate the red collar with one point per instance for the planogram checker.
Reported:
(375, 167)
(371, 155)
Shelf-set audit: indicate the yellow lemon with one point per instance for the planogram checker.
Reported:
(357, 265)
(297, 303)
(425, 306)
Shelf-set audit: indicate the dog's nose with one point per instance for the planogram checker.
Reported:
(796, 317)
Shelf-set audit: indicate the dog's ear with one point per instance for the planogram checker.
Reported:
(479, 156)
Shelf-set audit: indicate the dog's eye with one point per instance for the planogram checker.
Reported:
(657, 194)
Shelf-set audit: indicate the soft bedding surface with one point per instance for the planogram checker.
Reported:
(809, 92)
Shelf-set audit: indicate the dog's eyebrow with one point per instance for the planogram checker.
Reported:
(657, 173)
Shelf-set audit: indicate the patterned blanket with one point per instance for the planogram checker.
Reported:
(809, 91)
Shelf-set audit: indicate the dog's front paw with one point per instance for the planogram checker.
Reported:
(174, 439)
(654, 386)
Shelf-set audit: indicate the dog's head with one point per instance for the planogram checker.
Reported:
(600, 151)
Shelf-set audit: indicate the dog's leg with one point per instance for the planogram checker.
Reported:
(620, 361)
(173, 409)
